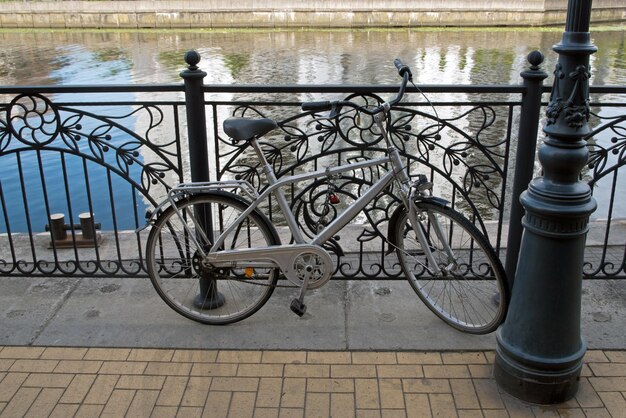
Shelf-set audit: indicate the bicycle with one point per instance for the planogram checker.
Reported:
(215, 257)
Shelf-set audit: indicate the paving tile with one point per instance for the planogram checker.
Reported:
(595, 356)
(516, 407)
(608, 384)
(101, 389)
(488, 394)
(164, 412)
(34, 366)
(329, 357)
(266, 412)
(608, 369)
(374, 358)
(317, 405)
(233, 384)
(464, 394)
(78, 366)
(587, 396)
(168, 369)
(367, 393)
(426, 386)
(110, 354)
(597, 413)
(195, 356)
(48, 380)
(464, 358)
(293, 393)
(399, 370)
(45, 403)
(417, 405)
(284, 357)
(123, 367)
(368, 413)
(118, 403)
(291, 413)
(212, 369)
(613, 356)
(89, 411)
(242, 405)
(140, 382)
(497, 413)
(217, 404)
(393, 413)
(21, 352)
(196, 391)
(307, 370)
(21, 402)
(142, 404)
(148, 354)
(342, 405)
(391, 395)
(64, 353)
(260, 370)
(239, 356)
(470, 413)
(64, 410)
(614, 402)
(78, 388)
(330, 385)
(419, 358)
(189, 412)
(442, 405)
(353, 371)
(446, 371)
(10, 384)
(481, 371)
(5, 364)
(172, 392)
(269, 392)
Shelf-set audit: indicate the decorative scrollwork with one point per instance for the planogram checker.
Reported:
(33, 119)
(466, 150)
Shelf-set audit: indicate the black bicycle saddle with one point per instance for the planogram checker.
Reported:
(244, 129)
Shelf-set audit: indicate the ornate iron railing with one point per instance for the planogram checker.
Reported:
(63, 150)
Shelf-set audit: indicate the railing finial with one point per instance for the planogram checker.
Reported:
(192, 58)
(535, 59)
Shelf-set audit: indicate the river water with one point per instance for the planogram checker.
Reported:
(485, 56)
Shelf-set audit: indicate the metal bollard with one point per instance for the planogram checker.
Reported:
(86, 225)
(57, 227)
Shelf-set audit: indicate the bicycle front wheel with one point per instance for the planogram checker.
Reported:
(190, 286)
(470, 293)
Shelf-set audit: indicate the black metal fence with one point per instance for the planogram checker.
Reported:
(114, 151)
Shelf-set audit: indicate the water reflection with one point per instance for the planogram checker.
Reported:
(304, 57)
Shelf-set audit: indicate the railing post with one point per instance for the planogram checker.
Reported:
(525, 156)
(208, 297)
(539, 348)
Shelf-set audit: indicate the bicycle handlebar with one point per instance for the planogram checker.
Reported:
(403, 70)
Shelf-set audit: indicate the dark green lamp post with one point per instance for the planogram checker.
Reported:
(539, 347)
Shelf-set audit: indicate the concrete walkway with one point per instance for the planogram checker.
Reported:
(111, 347)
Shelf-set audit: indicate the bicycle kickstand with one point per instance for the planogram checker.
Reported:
(297, 305)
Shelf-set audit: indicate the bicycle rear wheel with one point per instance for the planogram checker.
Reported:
(199, 291)
(471, 294)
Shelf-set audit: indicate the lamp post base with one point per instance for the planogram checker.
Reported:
(540, 381)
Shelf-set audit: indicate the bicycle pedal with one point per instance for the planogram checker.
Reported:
(298, 307)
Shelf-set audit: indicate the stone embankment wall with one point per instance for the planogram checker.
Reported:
(294, 13)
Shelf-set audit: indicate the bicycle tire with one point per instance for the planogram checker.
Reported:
(472, 296)
(175, 267)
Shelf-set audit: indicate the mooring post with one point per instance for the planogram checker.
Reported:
(208, 297)
(524, 156)
(539, 347)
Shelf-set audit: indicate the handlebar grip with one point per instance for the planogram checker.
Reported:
(402, 69)
(317, 106)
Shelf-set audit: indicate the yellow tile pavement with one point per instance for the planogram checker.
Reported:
(75, 381)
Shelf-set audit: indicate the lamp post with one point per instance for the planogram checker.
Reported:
(539, 347)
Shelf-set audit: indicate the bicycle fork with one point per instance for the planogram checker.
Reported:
(407, 195)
